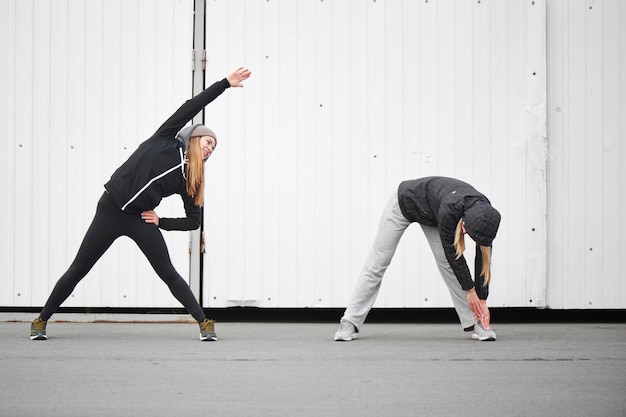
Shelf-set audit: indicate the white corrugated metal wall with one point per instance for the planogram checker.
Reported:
(587, 146)
(82, 83)
(349, 98)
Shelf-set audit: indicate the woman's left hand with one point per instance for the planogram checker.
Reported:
(150, 216)
(236, 77)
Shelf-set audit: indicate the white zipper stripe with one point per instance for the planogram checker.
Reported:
(182, 163)
(133, 198)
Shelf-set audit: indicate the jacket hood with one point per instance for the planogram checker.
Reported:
(482, 222)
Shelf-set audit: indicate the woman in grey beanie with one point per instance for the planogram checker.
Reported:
(446, 209)
(170, 162)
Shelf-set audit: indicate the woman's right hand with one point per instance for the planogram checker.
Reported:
(236, 77)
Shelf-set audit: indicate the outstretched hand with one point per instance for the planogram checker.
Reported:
(479, 308)
(236, 77)
(486, 318)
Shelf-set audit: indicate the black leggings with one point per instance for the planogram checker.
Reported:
(108, 224)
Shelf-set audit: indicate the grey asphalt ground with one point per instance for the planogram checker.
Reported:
(290, 369)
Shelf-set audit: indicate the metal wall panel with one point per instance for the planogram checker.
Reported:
(81, 85)
(347, 99)
(587, 145)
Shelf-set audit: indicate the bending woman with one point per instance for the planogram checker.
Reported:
(170, 162)
(446, 209)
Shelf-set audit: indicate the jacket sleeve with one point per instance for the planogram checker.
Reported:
(190, 222)
(481, 289)
(459, 266)
(190, 108)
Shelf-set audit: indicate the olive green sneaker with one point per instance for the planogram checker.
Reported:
(38, 329)
(207, 331)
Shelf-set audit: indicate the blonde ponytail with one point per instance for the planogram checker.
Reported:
(195, 171)
(459, 247)
(459, 239)
(486, 272)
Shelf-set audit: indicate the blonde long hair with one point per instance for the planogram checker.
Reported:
(459, 247)
(195, 171)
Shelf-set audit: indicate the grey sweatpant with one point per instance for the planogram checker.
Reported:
(390, 230)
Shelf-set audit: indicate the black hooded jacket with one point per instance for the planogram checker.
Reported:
(442, 202)
(157, 168)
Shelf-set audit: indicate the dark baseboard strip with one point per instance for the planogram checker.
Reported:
(377, 315)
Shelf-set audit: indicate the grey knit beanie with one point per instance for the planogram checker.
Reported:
(202, 130)
(482, 222)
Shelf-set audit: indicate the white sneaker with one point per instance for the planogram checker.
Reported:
(346, 331)
(483, 335)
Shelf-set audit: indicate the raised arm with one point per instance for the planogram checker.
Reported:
(193, 106)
